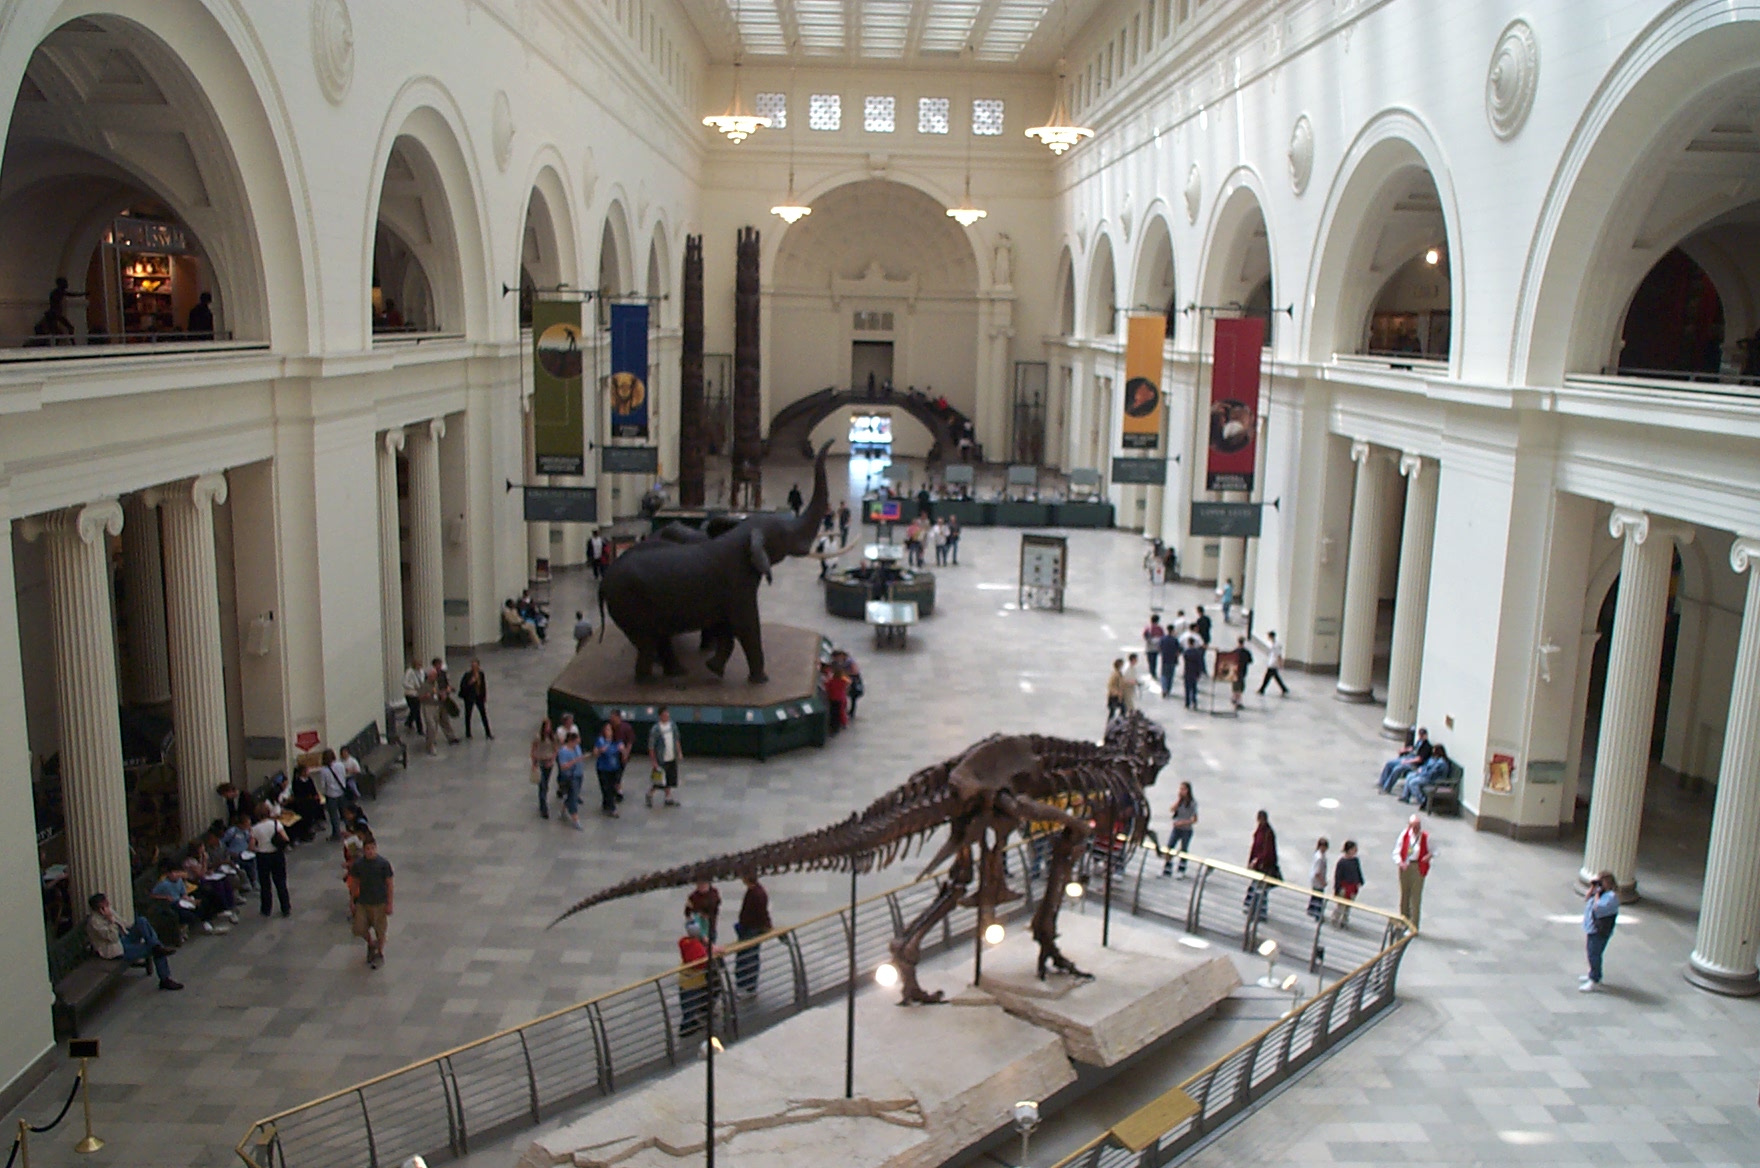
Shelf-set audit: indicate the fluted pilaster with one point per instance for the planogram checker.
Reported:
(427, 581)
(390, 568)
(147, 677)
(1412, 599)
(1729, 911)
(192, 618)
(1362, 581)
(1628, 709)
(77, 558)
(1231, 554)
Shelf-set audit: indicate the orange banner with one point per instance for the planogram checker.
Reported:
(1142, 381)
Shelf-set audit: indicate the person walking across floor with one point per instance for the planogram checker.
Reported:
(1262, 858)
(413, 681)
(1347, 881)
(625, 736)
(370, 883)
(1600, 915)
(953, 540)
(1152, 634)
(333, 786)
(1243, 660)
(1192, 659)
(269, 840)
(795, 499)
(754, 921)
(1411, 852)
(1227, 597)
(473, 690)
(1170, 651)
(596, 554)
(543, 756)
(1115, 686)
(583, 631)
(1317, 879)
(607, 765)
(665, 752)
(1273, 665)
(445, 700)
(1179, 838)
(1133, 681)
(843, 523)
(568, 776)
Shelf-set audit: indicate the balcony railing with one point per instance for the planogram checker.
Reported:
(97, 346)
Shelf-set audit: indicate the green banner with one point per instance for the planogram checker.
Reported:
(558, 417)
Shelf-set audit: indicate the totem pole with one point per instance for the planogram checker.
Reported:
(748, 441)
(691, 439)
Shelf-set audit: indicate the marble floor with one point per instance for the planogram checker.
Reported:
(1492, 1056)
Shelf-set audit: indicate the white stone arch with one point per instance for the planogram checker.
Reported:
(424, 127)
(770, 241)
(549, 215)
(1392, 145)
(1576, 284)
(1065, 319)
(659, 278)
(1229, 270)
(1099, 316)
(248, 181)
(1154, 280)
(615, 273)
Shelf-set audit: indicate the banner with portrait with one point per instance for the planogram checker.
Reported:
(1142, 381)
(629, 370)
(559, 442)
(1234, 404)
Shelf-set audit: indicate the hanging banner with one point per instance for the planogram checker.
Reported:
(1142, 381)
(629, 370)
(1234, 404)
(558, 357)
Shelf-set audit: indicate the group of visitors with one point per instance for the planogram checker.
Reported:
(1183, 648)
(842, 679)
(1417, 771)
(560, 748)
(942, 535)
(524, 620)
(697, 947)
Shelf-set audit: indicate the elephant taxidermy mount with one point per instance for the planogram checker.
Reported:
(681, 580)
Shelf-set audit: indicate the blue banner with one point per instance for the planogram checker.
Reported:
(629, 370)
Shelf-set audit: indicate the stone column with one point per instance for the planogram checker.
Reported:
(148, 677)
(390, 569)
(1729, 911)
(1356, 655)
(1412, 599)
(1628, 709)
(198, 679)
(81, 627)
(1231, 554)
(426, 556)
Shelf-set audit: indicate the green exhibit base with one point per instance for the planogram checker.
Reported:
(724, 717)
(847, 595)
(1005, 513)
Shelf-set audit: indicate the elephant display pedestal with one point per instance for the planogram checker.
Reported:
(715, 716)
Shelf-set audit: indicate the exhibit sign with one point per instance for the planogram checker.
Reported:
(629, 459)
(561, 504)
(1044, 571)
(629, 370)
(1144, 335)
(1234, 404)
(1229, 520)
(1148, 471)
(559, 441)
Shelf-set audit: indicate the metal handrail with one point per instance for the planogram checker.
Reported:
(599, 1046)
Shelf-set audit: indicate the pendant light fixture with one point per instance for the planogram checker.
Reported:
(966, 214)
(737, 123)
(791, 210)
(1060, 131)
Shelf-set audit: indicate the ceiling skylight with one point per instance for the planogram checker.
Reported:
(1000, 32)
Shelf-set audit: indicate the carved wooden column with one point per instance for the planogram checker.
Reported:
(692, 444)
(748, 440)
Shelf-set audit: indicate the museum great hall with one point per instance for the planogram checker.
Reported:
(276, 420)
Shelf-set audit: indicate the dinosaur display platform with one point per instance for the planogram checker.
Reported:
(931, 1081)
(715, 715)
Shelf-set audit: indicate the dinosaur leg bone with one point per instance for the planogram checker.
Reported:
(907, 948)
(1057, 874)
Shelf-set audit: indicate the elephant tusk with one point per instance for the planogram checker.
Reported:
(844, 550)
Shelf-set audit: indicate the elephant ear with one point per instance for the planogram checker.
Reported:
(760, 556)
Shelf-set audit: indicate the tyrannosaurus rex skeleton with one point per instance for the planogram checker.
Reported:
(996, 787)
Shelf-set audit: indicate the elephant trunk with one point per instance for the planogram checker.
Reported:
(806, 527)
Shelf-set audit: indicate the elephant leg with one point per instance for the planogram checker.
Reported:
(645, 653)
(751, 642)
(721, 640)
(668, 655)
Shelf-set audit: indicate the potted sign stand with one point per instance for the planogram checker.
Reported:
(1044, 571)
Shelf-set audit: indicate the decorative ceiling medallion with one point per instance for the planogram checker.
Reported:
(1514, 75)
(1194, 192)
(1301, 154)
(502, 129)
(332, 48)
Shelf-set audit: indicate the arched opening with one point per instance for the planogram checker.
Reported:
(1237, 275)
(124, 212)
(1155, 287)
(1102, 313)
(540, 258)
(417, 284)
(1066, 295)
(1674, 325)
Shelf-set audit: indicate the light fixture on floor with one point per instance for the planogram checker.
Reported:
(738, 123)
(886, 976)
(1268, 950)
(1059, 131)
(994, 933)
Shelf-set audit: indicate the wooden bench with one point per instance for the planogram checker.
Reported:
(1447, 793)
(81, 979)
(375, 756)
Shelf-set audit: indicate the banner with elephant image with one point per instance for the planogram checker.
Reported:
(1234, 404)
(559, 436)
(629, 370)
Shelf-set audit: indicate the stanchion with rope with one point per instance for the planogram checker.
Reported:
(21, 1143)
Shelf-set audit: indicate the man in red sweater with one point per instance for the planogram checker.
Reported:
(1412, 854)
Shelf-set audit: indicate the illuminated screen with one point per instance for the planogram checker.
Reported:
(888, 511)
(870, 430)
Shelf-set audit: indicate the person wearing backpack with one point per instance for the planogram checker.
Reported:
(1600, 914)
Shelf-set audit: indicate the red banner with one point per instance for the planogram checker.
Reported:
(1234, 404)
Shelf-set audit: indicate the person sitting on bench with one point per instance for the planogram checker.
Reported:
(135, 943)
(1409, 760)
(514, 625)
(1427, 778)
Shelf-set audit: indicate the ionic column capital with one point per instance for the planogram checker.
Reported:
(89, 521)
(434, 429)
(1638, 526)
(393, 440)
(1360, 450)
(1744, 553)
(1411, 465)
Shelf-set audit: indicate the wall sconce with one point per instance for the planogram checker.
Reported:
(1326, 543)
(260, 635)
(1546, 650)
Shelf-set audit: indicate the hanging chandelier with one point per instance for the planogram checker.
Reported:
(965, 214)
(791, 210)
(1059, 132)
(737, 123)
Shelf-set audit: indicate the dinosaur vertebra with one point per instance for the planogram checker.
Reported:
(992, 789)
